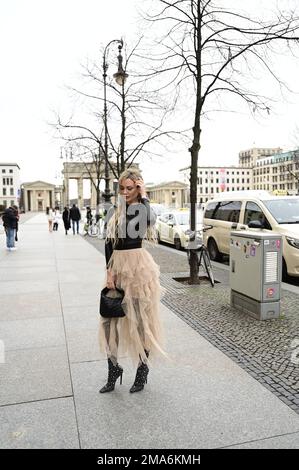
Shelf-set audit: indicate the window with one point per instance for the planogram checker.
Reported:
(11, 181)
(228, 211)
(254, 212)
(210, 209)
(4, 191)
(4, 203)
(164, 218)
(10, 171)
(3, 171)
(4, 181)
(12, 202)
(11, 192)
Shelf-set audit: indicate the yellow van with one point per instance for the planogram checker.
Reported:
(254, 210)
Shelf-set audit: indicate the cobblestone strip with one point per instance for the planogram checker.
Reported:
(263, 349)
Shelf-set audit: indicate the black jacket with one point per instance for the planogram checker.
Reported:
(138, 218)
(10, 219)
(66, 219)
(75, 213)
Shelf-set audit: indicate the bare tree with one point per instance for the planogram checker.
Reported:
(208, 49)
(137, 116)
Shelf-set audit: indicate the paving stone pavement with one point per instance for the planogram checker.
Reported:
(265, 349)
(52, 368)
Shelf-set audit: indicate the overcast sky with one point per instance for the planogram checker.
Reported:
(43, 44)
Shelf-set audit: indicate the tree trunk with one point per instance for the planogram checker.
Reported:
(195, 147)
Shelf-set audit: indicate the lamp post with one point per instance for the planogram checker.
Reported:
(120, 78)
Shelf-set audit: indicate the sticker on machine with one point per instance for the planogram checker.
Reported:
(252, 250)
(266, 242)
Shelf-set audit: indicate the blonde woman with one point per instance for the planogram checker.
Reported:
(132, 268)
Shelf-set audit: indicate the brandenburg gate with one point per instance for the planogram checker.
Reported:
(80, 171)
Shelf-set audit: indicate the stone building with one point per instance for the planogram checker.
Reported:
(9, 184)
(171, 194)
(37, 196)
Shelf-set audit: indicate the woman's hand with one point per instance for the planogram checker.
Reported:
(141, 186)
(111, 280)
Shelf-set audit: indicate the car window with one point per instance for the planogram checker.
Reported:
(228, 211)
(285, 211)
(254, 212)
(164, 218)
(210, 210)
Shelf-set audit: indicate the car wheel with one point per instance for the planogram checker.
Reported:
(177, 242)
(214, 253)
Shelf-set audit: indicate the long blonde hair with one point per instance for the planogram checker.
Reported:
(119, 215)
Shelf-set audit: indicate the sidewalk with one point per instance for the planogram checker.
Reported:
(53, 369)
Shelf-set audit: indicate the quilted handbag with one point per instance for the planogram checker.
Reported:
(110, 303)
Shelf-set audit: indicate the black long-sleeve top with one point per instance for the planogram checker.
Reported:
(130, 235)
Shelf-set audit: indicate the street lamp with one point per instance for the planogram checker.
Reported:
(120, 77)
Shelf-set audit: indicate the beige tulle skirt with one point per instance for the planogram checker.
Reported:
(140, 330)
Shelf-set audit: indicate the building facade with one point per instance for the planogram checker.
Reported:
(171, 194)
(249, 157)
(213, 180)
(37, 196)
(9, 184)
(278, 173)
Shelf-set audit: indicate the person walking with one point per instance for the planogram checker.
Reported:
(130, 267)
(16, 210)
(10, 221)
(56, 218)
(88, 216)
(66, 219)
(50, 215)
(75, 216)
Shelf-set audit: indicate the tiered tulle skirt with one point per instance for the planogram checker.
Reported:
(140, 330)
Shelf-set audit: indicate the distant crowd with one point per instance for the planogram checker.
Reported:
(70, 217)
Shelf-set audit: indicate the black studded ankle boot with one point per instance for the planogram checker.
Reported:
(141, 376)
(114, 371)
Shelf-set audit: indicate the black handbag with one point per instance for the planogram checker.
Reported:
(110, 307)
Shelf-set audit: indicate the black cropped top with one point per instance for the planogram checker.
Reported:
(138, 217)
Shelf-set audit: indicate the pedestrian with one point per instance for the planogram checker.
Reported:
(50, 215)
(75, 216)
(10, 221)
(130, 267)
(16, 210)
(66, 219)
(88, 216)
(56, 218)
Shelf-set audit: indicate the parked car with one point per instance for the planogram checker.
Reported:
(254, 210)
(173, 226)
